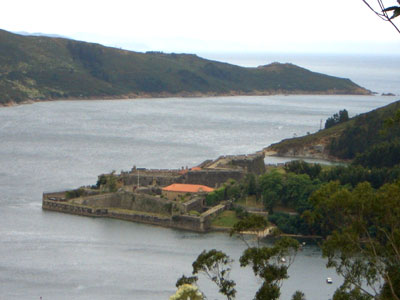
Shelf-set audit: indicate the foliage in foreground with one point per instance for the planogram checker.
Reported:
(264, 261)
(187, 292)
(363, 237)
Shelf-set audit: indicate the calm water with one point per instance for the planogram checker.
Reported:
(56, 145)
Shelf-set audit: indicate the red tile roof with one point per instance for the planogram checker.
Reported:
(188, 188)
(196, 169)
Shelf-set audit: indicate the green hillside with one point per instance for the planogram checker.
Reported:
(38, 67)
(363, 138)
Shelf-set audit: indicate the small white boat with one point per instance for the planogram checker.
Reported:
(329, 280)
(283, 260)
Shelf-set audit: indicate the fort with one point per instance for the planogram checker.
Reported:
(169, 198)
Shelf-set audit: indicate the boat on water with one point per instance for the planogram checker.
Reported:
(329, 280)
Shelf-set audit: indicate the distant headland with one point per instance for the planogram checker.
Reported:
(37, 68)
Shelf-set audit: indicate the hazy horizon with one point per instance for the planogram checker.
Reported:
(312, 26)
(370, 48)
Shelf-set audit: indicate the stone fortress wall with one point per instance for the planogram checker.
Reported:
(141, 204)
(209, 173)
(119, 207)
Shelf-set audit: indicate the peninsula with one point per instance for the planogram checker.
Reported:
(169, 198)
(217, 193)
(35, 68)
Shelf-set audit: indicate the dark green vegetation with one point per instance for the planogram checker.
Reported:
(341, 117)
(38, 67)
(356, 215)
(368, 135)
(354, 208)
(75, 193)
(372, 138)
(363, 243)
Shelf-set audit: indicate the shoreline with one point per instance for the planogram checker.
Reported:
(330, 160)
(183, 95)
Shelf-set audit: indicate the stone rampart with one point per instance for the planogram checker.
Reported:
(213, 174)
(253, 163)
(128, 200)
(192, 223)
(141, 218)
(152, 177)
(73, 208)
(212, 212)
(212, 177)
(194, 204)
(103, 200)
(56, 196)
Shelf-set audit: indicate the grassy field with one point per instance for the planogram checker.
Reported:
(225, 219)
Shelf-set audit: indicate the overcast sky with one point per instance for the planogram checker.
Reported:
(209, 25)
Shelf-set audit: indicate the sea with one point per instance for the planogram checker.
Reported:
(58, 145)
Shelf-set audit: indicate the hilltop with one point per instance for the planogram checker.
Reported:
(45, 68)
(362, 136)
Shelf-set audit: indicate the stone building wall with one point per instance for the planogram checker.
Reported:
(151, 177)
(253, 163)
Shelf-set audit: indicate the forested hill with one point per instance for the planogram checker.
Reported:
(38, 67)
(372, 139)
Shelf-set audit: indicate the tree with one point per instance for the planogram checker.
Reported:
(363, 238)
(343, 116)
(296, 191)
(271, 186)
(267, 265)
(391, 121)
(187, 292)
(298, 295)
(216, 266)
(337, 118)
(250, 184)
(382, 11)
(254, 224)
(186, 280)
(108, 182)
(301, 167)
(265, 261)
